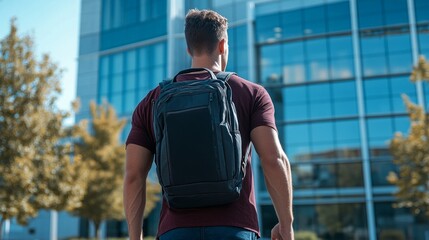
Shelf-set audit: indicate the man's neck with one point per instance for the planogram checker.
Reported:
(205, 62)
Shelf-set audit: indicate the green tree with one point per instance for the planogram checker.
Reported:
(103, 155)
(37, 171)
(411, 154)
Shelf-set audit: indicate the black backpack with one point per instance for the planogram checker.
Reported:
(198, 143)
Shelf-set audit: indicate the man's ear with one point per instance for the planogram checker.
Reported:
(222, 46)
(188, 51)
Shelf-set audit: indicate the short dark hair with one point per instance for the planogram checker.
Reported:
(203, 30)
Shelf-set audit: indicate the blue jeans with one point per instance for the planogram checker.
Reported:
(209, 233)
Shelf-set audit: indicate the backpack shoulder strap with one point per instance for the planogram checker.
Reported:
(165, 82)
(225, 76)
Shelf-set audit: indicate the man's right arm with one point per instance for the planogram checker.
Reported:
(277, 173)
(137, 166)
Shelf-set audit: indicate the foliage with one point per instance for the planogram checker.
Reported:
(392, 234)
(421, 71)
(329, 215)
(103, 156)
(37, 171)
(411, 155)
(306, 235)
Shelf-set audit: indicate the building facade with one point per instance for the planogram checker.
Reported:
(335, 70)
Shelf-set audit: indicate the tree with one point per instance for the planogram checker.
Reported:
(37, 171)
(421, 71)
(411, 154)
(104, 156)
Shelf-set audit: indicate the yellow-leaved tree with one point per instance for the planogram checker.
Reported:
(102, 153)
(411, 153)
(37, 170)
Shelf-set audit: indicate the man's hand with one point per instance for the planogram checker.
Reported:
(282, 233)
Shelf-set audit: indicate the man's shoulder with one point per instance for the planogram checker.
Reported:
(238, 82)
(150, 96)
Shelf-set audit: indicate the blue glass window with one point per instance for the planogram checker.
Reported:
(370, 13)
(347, 133)
(294, 73)
(342, 68)
(106, 13)
(131, 60)
(395, 12)
(340, 47)
(116, 101)
(377, 97)
(384, 95)
(271, 55)
(314, 20)
(373, 43)
(386, 219)
(379, 172)
(422, 10)
(322, 132)
(320, 100)
(327, 175)
(297, 138)
(271, 75)
(292, 24)
(130, 101)
(350, 219)
(117, 63)
(400, 62)
(296, 106)
(344, 99)
(423, 38)
(293, 52)
(338, 16)
(266, 27)
(381, 131)
(131, 12)
(317, 70)
(316, 49)
(130, 80)
(374, 65)
(382, 12)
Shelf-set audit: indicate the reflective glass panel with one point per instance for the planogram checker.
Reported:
(335, 175)
(317, 70)
(374, 65)
(342, 68)
(130, 101)
(398, 223)
(116, 85)
(316, 49)
(422, 10)
(379, 172)
(293, 52)
(400, 62)
(330, 221)
(341, 46)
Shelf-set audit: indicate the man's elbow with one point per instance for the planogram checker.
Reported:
(275, 162)
(131, 177)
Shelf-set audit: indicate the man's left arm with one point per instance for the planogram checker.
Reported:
(138, 163)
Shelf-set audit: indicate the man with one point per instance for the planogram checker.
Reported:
(207, 41)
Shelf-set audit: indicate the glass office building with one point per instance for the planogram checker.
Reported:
(335, 70)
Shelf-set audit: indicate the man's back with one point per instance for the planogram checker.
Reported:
(207, 44)
(254, 108)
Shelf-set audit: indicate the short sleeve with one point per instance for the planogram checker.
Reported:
(263, 110)
(141, 132)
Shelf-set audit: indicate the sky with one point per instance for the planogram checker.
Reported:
(54, 25)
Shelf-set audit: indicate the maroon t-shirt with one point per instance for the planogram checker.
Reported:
(254, 108)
